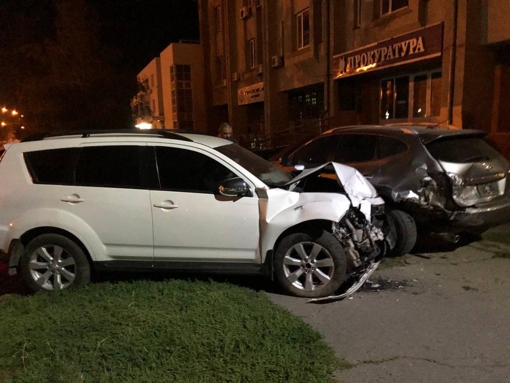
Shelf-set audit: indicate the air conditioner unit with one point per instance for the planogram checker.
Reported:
(260, 69)
(276, 61)
(244, 13)
(235, 76)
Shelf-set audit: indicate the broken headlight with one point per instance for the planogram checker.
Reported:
(463, 195)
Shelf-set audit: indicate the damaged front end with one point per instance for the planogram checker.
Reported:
(365, 243)
(363, 231)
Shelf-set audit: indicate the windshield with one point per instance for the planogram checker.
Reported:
(260, 168)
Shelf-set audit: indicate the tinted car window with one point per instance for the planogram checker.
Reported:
(50, 166)
(186, 170)
(111, 166)
(260, 168)
(389, 146)
(315, 152)
(357, 148)
(462, 150)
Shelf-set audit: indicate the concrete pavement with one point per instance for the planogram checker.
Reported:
(441, 317)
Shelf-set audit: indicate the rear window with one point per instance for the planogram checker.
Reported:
(50, 166)
(462, 150)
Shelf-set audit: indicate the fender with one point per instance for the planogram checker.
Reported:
(57, 218)
(295, 208)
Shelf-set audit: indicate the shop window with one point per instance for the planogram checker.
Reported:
(251, 59)
(389, 6)
(303, 28)
(387, 97)
(420, 96)
(402, 97)
(417, 96)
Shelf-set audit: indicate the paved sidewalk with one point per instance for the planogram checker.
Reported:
(440, 317)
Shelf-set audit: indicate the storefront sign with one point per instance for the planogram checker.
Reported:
(251, 94)
(418, 45)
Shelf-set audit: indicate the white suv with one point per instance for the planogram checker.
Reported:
(155, 200)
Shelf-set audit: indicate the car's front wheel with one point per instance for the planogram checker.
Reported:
(310, 267)
(53, 262)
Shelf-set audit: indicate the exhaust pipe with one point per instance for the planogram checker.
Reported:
(449, 237)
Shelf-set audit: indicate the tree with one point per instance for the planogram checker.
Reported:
(65, 79)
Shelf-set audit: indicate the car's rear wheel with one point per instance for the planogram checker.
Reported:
(405, 231)
(310, 267)
(53, 262)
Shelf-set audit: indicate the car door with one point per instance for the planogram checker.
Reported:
(108, 199)
(191, 220)
(361, 152)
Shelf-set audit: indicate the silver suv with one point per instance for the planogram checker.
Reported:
(154, 200)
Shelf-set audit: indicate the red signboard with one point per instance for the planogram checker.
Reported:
(418, 45)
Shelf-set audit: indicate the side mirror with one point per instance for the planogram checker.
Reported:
(235, 187)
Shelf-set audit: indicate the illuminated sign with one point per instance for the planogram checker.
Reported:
(250, 94)
(418, 45)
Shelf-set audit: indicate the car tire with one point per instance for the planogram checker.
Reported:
(310, 267)
(52, 262)
(405, 232)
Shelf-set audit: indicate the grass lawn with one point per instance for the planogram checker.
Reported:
(146, 331)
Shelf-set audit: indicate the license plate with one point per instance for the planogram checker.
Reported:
(487, 190)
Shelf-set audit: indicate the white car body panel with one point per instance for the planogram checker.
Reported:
(205, 227)
(124, 225)
(284, 209)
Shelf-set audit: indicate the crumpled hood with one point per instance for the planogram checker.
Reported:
(354, 183)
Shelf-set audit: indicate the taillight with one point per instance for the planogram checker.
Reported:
(463, 195)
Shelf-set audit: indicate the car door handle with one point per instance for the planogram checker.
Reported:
(368, 176)
(74, 198)
(166, 205)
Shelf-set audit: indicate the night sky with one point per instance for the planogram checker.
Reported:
(144, 28)
(139, 29)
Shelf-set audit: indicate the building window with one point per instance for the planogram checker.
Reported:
(306, 104)
(217, 12)
(388, 6)
(220, 68)
(182, 97)
(357, 13)
(251, 54)
(416, 96)
(303, 28)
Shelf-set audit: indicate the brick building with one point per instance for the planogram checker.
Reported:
(278, 70)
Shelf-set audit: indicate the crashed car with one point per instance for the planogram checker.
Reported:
(445, 182)
(155, 200)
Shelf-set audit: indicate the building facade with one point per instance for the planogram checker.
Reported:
(171, 94)
(279, 70)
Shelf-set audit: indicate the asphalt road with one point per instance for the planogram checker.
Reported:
(441, 317)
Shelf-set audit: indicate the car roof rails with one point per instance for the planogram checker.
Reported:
(87, 133)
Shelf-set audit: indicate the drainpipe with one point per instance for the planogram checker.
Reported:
(328, 58)
(453, 62)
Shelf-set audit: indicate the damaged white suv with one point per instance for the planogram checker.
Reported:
(155, 200)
